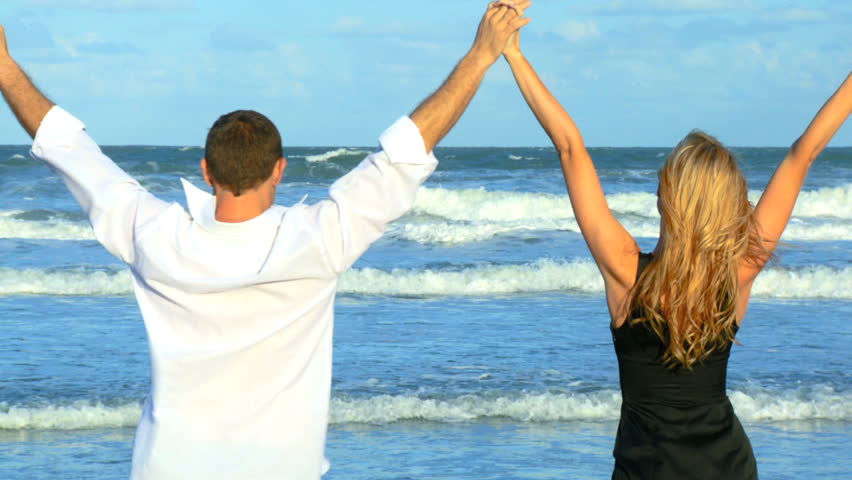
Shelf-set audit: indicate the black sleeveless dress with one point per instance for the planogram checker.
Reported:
(675, 424)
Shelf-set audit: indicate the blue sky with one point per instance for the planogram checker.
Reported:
(334, 72)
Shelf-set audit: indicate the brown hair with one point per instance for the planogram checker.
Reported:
(241, 150)
(688, 293)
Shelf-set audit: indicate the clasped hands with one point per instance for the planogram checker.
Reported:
(498, 31)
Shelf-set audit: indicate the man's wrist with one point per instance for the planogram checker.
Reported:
(480, 57)
(7, 68)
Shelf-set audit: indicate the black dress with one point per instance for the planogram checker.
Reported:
(675, 424)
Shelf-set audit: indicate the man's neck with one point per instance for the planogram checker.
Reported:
(251, 204)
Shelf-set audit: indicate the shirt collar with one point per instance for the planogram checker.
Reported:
(202, 208)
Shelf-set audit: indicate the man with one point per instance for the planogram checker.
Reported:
(237, 294)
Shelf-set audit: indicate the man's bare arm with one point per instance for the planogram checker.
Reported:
(437, 115)
(25, 100)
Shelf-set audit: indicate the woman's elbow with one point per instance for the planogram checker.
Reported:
(806, 152)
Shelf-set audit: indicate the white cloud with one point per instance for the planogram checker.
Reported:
(754, 54)
(644, 7)
(92, 43)
(348, 24)
(799, 15)
(699, 57)
(578, 31)
(696, 4)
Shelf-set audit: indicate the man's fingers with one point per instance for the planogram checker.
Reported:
(518, 5)
(493, 9)
(504, 13)
(523, 5)
(519, 22)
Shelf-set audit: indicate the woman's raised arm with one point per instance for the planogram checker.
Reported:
(775, 207)
(612, 247)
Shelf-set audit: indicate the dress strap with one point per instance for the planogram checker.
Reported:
(644, 260)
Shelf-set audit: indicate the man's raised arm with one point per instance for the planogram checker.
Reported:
(437, 114)
(113, 201)
(384, 186)
(28, 104)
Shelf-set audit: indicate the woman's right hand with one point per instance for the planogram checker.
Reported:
(513, 46)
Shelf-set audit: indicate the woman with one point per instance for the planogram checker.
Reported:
(675, 312)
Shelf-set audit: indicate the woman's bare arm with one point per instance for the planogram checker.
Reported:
(775, 207)
(612, 247)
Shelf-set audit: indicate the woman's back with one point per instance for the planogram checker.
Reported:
(676, 420)
(676, 423)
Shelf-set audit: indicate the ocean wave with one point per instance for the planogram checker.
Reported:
(455, 233)
(55, 229)
(18, 160)
(80, 415)
(77, 282)
(471, 215)
(340, 152)
(754, 406)
(543, 275)
(826, 202)
(499, 206)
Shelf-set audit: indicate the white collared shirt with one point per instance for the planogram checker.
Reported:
(239, 316)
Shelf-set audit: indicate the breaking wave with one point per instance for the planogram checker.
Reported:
(340, 152)
(543, 275)
(755, 406)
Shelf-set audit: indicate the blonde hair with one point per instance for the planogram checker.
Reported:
(688, 293)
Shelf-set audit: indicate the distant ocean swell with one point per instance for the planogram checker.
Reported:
(469, 215)
(429, 232)
(821, 404)
(461, 232)
(481, 204)
(543, 275)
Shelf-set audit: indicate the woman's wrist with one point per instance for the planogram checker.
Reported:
(513, 55)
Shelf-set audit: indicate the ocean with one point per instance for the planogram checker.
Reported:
(472, 340)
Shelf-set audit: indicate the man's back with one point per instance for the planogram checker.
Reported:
(239, 315)
(239, 319)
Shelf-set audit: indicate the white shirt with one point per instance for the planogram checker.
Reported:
(239, 316)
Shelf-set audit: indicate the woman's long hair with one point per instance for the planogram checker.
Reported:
(688, 293)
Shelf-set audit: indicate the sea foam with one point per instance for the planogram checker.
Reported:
(456, 233)
(754, 406)
(340, 152)
(78, 282)
(11, 227)
(543, 275)
(485, 205)
(472, 215)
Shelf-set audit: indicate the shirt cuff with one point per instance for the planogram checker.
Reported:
(58, 128)
(403, 143)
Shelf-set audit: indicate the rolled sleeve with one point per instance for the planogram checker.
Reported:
(376, 192)
(403, 143)
(58, 129)
(114, 202)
